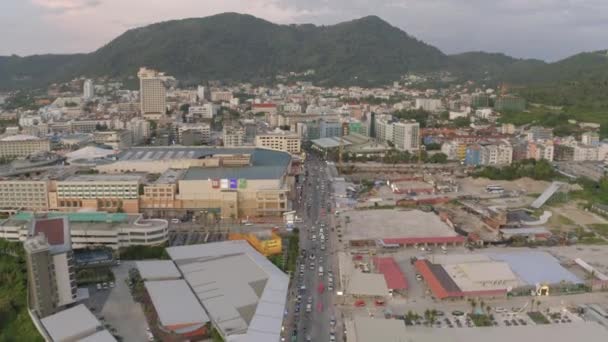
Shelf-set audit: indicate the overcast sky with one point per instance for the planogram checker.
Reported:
(545, 29)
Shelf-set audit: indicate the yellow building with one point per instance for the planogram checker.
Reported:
(267, 242)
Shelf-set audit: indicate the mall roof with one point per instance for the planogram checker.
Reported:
(395, 279)
(534, 267)
(265, 164)
(243, 292)
(175, 303)
(70, 323)
(158, 270)
(19, 137)
(180, 152)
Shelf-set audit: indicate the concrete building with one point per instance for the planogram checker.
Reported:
(203, 135)
(201, 93)
(406, 135)
(88, 89)
(51, 277)
(584, 152)
(140, 130)
(22, 145)
(430, 105)
(152, 94)
(221, 96)
(590, 138)
(24, 195)
(118, 192)
(93, 229)
(497, 154)
(539, 133)
(233, 136)
(205, 111)
(286, 142)
(118, 140)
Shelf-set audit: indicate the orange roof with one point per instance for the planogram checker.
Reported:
(422, 266)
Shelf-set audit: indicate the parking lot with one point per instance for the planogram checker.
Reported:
(115, 307)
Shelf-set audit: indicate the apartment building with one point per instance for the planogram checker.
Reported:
(233, 136)
(406, 135)
(50, 266)
(202, 133)
(221, 96)
(22, 145)
(205, 111)
(430, 105)
(280, 141)
(496, 154)
(152, 94)
(584, 152)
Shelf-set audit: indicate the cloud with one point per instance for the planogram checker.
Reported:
(65, 5)
(547, 29)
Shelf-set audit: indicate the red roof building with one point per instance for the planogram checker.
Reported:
(52, 229)
(395, 280)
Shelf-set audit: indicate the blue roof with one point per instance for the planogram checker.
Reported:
(265, 164)
(535, 267)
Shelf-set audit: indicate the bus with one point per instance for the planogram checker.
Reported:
(495, 189)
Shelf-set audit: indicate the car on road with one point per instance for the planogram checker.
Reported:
(308, 307)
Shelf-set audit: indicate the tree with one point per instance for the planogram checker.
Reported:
(461, 122)
(438, 158)
(184, 108)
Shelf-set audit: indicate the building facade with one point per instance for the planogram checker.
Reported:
(152, 94)
(290, 143)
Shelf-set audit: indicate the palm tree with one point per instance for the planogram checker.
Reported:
(473, 305)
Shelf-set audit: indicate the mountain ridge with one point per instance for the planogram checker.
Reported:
(240, 47)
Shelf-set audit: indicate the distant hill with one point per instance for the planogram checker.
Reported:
(237, 47)
(241, 47)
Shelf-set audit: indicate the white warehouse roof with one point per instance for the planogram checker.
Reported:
(158, 270)
(243, 292)
(175, 303)
(70, 324)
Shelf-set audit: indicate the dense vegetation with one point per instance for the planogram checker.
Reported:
(143, 252)
(539, 170)
(15, 323)
(241, 47)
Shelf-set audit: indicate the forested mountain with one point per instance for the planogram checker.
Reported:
(237, 47)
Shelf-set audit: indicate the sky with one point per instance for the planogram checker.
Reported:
(543, 29)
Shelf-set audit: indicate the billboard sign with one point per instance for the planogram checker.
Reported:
(242, 183)
(233, 183)
(224, 183)
(215, 183)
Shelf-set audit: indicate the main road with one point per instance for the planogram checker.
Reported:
(312, 278)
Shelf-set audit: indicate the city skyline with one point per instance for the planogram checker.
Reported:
(552, 29)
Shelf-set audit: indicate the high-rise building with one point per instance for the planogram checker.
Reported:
(406, 135)
(88, 89)
(152, 93)
(200, 93)
(140, 130)
(50, 266)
